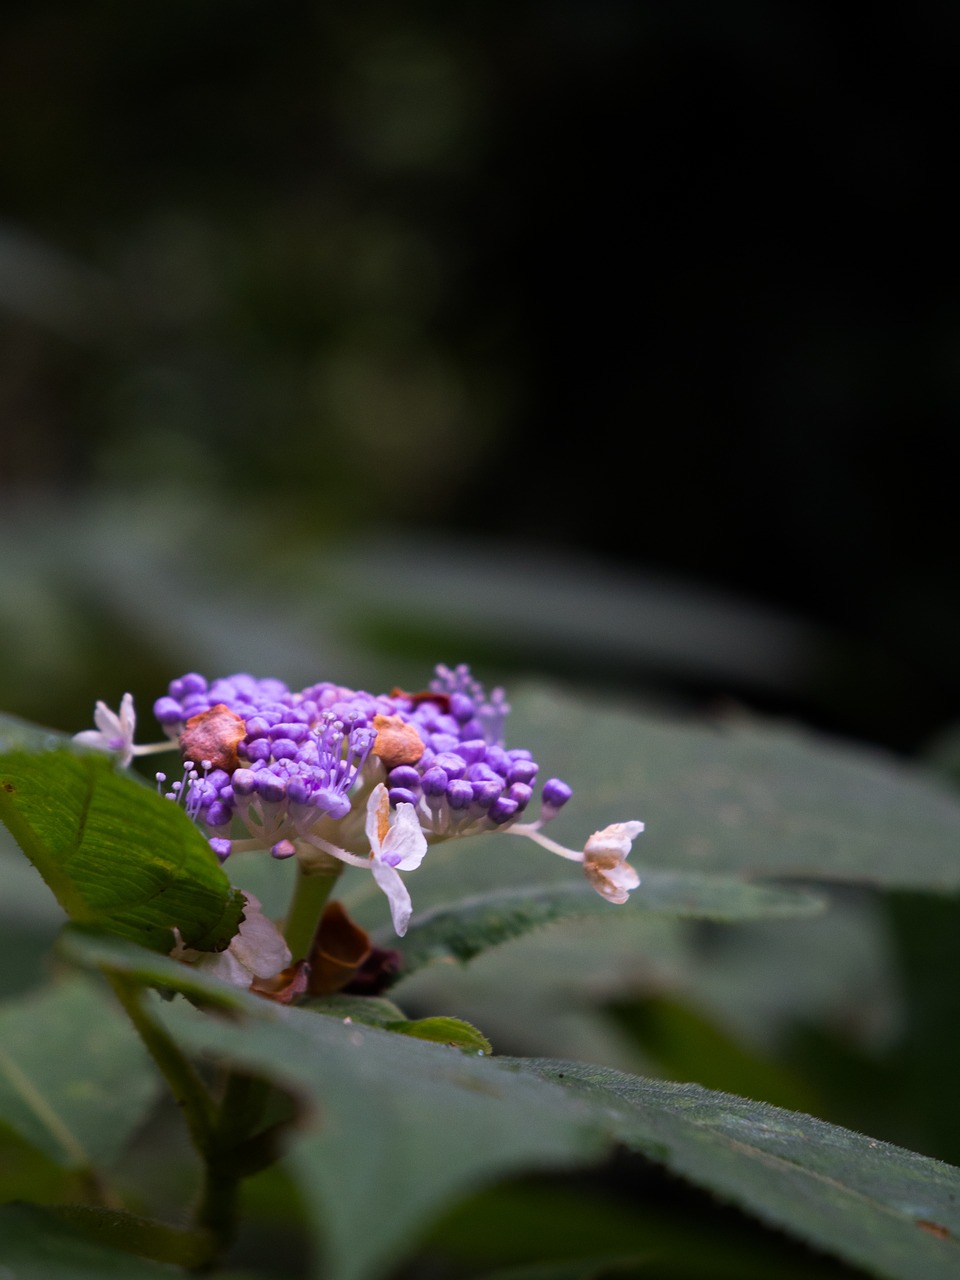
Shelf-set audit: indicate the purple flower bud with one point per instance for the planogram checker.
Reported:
(192, 682)
(503, 810)
(520, 792)
(461, 707)
(451, 763)
(293, 732)
(472, 751)
(283, 849)
(244, 782)
(272, 789)
(404, 775)
(168, 711)
(284, 749)
(298, 791)
(221, 848)
(434, 781)
(441, 742)
(485, 793)
(400, 795)
(258, 749)
(217, 814)
(482, 772)
(556, 793)
(522, 771)
(473, 729)
(459, 793)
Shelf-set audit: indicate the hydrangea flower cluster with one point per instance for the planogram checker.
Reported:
(333, 775)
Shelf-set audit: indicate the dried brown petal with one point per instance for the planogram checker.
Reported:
(214, 735)
(424, 695)
(397, 742)
(285, 986)
(339, 949)
(378, 971)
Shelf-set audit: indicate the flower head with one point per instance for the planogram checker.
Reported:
(333, 775)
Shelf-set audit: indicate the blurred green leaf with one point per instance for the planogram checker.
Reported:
(96, 952)
(633, 1221)
(465, 929)
(21, 735)
(75, 1080)
(889, 1210)
(114, 853)
(36, 1244)
(136, 1235)
(685, 1045)
(745, 796)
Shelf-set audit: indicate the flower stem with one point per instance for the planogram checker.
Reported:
(306, 906)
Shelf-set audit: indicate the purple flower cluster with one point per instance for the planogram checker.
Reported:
(302, 765)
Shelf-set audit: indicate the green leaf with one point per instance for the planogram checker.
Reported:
(744, 796)
(75, 1081)
(467, 928)
(98, 952)
(451, 1031)
(374, 1011)
(114, 853)
(881, 1207)
(685, 1045)
(21, 735)
(135, 1235)
(36, 1244)
(395, 1128)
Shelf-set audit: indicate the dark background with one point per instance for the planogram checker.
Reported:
(665, 289)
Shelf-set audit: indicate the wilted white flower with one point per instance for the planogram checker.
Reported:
(256, 951)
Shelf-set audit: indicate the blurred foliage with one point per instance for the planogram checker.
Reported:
(588, 277)
(554, 338)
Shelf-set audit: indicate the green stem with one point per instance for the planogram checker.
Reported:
(188, 1089)
(306, 906)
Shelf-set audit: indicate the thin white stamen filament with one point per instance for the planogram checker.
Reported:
(544, 841)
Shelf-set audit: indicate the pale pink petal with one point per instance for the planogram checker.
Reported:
(604, 860)
(389, 881)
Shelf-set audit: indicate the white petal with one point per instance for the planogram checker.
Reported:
(615, 839)
(225, 966)
(128, 717)
(259, 946)
(107, 721)
(405, 838)
(612, 883)
(401, 908)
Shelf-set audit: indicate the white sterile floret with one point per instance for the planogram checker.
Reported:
(604, 860)
(256, 951)
(113, 732)
(397, 843)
